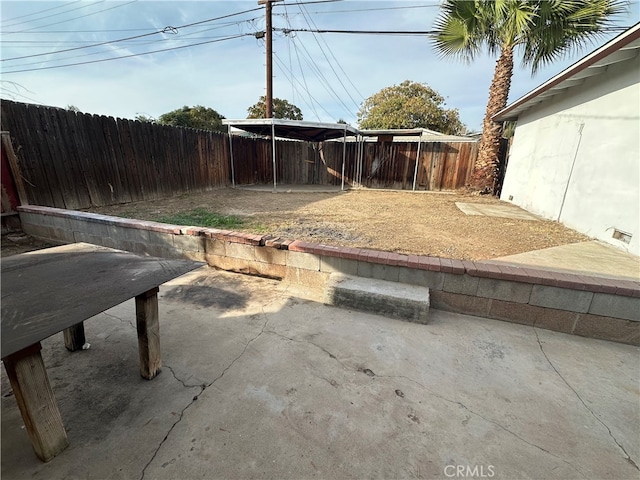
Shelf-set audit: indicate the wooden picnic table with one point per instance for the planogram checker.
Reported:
(56, 289)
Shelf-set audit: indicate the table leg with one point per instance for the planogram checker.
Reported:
(37, 404)
(148, 326)
(74, 337)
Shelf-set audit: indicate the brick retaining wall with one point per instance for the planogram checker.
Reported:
(578, 304)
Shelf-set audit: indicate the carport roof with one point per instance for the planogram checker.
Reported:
(298, 130)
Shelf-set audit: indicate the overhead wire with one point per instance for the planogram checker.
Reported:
(49, 16)
(164, 30)
(312, 102)
(312, 99)
(130, 56)
(39, 12)
(309, 21)
(82, 16)
(316, 70)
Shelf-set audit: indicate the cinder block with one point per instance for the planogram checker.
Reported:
(465, 284)
(615, 306)
(38, 231)
(30, 218)
(504, 290)
(227, 263)
(163, 251)
(270, 255)
(195, 256)
(270, 270)
(524, 314)
(379, 271)
(156, 238)
(608, 328)
(561, 298)
(134, 235)
(213, 246)
(338, 265)
(456, 302)
(188, 242)
(82, 225)
(306, 261)
(240, 251)
(60, 235)
(392, 299)
(94, 240)
(308, 278)
(61, 223)
(96, 229)
(423, 278)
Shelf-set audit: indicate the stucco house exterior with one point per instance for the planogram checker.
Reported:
(575, 156)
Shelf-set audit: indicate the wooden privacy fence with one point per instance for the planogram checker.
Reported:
(73, 160)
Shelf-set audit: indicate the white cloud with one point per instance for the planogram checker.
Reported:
(229, 75)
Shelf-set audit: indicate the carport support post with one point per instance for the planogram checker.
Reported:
(415, 172)
(233, 173)
(148, 327)
(344, 154)
(37, 404)
(273, 152)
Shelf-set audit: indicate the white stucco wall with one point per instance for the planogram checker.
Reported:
(576, 157)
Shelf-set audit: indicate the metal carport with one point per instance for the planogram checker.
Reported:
(290, 129)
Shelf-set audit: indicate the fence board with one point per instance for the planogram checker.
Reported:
(76, 160)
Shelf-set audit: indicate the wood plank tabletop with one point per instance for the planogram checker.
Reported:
(47, 291)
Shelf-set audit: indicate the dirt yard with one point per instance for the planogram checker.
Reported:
(404, 222)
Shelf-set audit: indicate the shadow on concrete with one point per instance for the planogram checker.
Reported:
(275, 385)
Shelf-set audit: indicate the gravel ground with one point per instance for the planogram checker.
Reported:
(427, 223)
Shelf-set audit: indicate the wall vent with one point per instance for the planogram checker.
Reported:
(622, 236)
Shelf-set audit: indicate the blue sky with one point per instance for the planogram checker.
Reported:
(327, 75)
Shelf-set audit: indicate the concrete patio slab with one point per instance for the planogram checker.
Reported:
(260, 380)
(502, 210)
(593, 257)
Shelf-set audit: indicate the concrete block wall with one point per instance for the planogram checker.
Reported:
(589, 306)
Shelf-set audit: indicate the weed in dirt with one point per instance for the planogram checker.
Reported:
(199, 217)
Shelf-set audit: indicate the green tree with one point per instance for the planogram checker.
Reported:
(541, 31)
(409, 105)
(281, 109)
(73, 108)
(141, 117)
(199, 117)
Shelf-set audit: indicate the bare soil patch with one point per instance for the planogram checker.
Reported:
(426, 223)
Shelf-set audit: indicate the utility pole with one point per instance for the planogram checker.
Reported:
(268, 40)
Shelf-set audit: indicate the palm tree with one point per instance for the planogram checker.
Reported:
(541, 30)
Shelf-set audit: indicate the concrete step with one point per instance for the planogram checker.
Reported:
(391, 299)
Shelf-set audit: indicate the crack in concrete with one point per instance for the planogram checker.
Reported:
(203, 388)
(628, 457)
(431, 392)
(120, 319)
(488, 420)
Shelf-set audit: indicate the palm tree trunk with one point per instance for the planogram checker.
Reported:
(486, 166)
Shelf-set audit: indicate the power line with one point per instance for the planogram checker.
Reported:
(39, 12)
(309, 20)
(49, 16)
(168, 29)
(396, 32)
(312, 99)
(39, 62)
(129, 56)
(362, 32)
(374, 9)
(81, 16)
